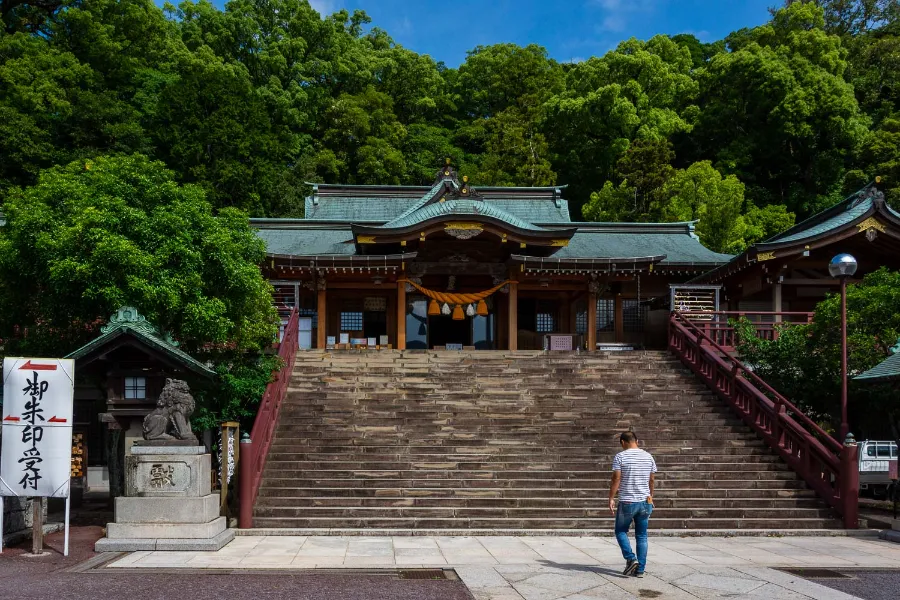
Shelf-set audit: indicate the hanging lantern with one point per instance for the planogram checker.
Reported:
(482, 309)
(433, 308)
(458, 314)
(445, 309)
(470, 310)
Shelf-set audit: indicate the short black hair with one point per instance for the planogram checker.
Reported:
(629, 437)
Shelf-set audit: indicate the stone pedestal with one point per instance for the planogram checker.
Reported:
(168, 503)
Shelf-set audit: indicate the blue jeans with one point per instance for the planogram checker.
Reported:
(639, 512)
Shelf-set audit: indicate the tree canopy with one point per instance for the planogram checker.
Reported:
(253, 101)
(98, 234)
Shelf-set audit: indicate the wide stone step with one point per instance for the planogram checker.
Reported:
(687, 494)
(349, 512)
(561, 502)
(279, 464)
(460, 444)
(667, 461)
(541, 523)
(518, 481)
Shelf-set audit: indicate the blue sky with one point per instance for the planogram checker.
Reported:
(569, 29)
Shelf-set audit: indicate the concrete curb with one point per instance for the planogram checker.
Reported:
(890, 535)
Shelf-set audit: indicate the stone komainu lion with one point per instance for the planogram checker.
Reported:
(170, 420)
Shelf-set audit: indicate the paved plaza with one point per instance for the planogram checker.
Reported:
(551, 568)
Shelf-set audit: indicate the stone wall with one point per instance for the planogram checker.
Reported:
(17, 514)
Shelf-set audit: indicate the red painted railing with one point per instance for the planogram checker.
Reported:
(717, 326)
(254, 452)
(830, 468)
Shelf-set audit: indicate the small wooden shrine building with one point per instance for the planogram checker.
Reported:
(119, 376)
(789, 272)
(455, 266)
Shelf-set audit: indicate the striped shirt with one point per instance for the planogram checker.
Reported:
(636, 466)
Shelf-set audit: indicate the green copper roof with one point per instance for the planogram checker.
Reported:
(848, 214)
(338, 239)
(675, 241)
(127, 321)
(833, 218)
(462, 207)
(611, 240)
(887, 370)
(385, 203)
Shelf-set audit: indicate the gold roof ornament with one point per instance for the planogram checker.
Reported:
(763, 256)
(871, 223)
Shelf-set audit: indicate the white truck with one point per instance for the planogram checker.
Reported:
(877, 466)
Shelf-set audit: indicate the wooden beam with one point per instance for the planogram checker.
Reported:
(776, 301)
(322, 314)
(592, 322)
(401, 315)
(513, 317)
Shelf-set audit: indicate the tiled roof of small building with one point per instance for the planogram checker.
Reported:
(887, 370)
(610, 240)
(127, 321)
(286, 238)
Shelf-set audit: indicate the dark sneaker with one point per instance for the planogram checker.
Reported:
(631, 568)
(639, 574)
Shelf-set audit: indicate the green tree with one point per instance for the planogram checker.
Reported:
(611, 204)
(93, 236)
(777, 112)
(700, 193)
(803, 364)
(642, 90)
(647, 167)
(766, 222)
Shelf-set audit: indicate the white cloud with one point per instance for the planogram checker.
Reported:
(618, 13)
(612, 23)
(324, 7)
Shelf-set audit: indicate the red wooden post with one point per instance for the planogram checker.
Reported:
(850, 483)
(246, 475)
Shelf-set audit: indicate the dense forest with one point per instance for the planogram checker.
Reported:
(749, 133)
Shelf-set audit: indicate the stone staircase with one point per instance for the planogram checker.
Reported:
(513, 441)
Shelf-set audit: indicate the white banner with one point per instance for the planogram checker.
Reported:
(36, 455)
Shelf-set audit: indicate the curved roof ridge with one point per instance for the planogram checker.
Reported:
(426, 199)
(462, 207)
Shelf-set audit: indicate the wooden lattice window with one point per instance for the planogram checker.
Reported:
(352, 321)
(606, 314)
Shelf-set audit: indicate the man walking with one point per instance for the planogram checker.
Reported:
(633, 479)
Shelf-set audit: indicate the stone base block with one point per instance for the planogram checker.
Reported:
(134, 545)
(130, 531)
(890, 535)
(167, 475)
(167, 510)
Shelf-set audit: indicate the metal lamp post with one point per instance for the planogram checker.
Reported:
(843, 266)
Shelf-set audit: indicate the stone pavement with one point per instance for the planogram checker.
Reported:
(551, 568)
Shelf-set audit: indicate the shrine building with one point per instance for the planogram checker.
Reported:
(454, 266)
(789, 272)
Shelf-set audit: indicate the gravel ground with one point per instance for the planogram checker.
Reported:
(25, 577)
(870, 585)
